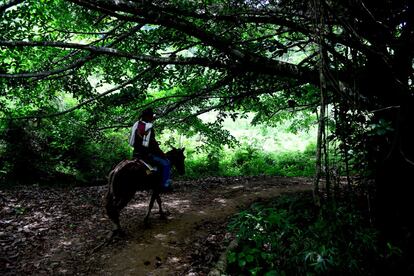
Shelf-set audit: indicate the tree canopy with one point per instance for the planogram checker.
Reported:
(215, 54)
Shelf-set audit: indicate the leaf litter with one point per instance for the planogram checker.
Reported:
(55, 231)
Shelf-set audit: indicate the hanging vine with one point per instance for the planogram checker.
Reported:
(323, 101)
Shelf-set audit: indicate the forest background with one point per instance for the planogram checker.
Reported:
(75, 75)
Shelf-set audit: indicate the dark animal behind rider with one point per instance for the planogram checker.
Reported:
(146, 146)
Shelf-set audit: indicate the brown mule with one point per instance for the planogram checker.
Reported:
(130, 176)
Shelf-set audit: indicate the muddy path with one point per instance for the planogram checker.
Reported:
(195, 231)
(57, 231)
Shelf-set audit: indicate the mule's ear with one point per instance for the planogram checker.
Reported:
(182, 150)
(173, 148)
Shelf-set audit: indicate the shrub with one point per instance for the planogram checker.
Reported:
(24, 156)
(57, 152)
(285, 237)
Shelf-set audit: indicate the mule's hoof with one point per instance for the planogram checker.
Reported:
(147, 223)
(165, 215)
(118, 233)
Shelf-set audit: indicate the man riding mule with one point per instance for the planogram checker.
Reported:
(130, 176)
(146, 147)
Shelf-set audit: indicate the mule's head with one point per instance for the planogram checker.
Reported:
(176, 157)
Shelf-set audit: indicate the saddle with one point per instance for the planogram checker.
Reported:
(150, 168)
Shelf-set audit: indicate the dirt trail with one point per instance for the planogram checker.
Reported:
(54, 231)
(170, 247)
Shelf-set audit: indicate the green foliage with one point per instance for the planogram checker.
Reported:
(73, 146)
(260, 150)
(69, 149)
(205, 165)
(286, 237)
(22, 152)
(58, 150)
(249, 160)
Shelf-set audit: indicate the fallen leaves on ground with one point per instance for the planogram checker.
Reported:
(49, 231)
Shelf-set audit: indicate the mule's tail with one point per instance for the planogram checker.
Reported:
(111, 210)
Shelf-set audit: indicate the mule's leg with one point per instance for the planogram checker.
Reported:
(113, 214)
(111, 210)
(153, 196)
(163, 215)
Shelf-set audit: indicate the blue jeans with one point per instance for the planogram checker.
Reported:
(165, 170)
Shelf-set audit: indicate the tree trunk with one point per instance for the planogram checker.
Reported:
(318, 168)
(394, 154)
(394, 203)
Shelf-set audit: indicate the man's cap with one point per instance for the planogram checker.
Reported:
(147, 112)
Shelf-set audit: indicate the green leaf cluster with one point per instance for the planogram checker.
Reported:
(288, 237)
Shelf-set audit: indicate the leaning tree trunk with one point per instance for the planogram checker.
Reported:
(394, 172)
(395, 149)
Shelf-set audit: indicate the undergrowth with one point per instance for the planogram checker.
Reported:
(248, 160)
(287, 237)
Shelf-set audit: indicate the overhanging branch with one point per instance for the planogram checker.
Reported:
(9, 4)
(78, 106)
(103, 51)
(145, 11)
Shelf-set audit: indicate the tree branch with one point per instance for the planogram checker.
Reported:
(122, 85)
(9, 4)
(105, 51)
(151, 14)
(42, 74)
